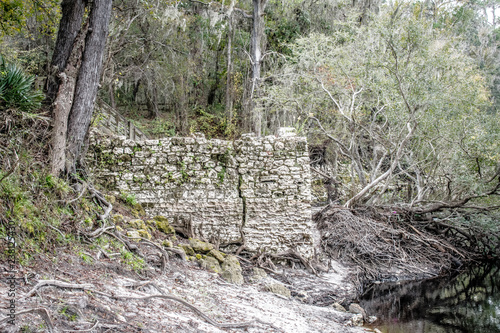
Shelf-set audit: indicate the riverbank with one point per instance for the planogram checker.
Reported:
(103, 305)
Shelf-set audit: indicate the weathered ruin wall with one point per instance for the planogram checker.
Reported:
(252, 189)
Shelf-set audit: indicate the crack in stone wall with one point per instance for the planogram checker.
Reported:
(256, 186)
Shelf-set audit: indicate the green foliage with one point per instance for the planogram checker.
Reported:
(16, 89)
(128, 198)
(369, 85)
(28, 18)
(135, 262)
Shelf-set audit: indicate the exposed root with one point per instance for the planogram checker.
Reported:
(59, 284)
(85, 330)
(89, 287)
(44, 313)
(380, 248)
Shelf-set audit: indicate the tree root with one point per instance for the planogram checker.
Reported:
(191, 307)
(59, 284)
(44, 313)
(89, 287)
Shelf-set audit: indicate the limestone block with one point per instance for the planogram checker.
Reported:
(279, 289)
(231, 270)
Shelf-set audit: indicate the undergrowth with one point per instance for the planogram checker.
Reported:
(47, 212)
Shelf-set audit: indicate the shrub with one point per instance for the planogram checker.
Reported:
(16, 88)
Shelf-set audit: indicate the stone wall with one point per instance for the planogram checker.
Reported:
(251, 189)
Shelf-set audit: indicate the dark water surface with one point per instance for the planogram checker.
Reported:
(466, 303)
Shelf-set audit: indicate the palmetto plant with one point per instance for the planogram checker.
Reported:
(16, 88)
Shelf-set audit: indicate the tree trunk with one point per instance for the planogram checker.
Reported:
(256, 57)
(229, 81)
(88, 81)
(62, 105)
(69, 26)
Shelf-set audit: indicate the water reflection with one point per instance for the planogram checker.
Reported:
(468, 302)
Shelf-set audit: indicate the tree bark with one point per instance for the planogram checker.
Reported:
(62, 105)
(69, 26)
(256, 57)
(88, 81)
(229, 81)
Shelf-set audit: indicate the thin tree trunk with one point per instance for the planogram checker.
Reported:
(69, 26)
(88, 81)
(229, 81)
(256, 57)
(355, 199)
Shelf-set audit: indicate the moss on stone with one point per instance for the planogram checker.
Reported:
(168, 243)
(279, 289)
(231, 270)
(134, 234)
(217, 255)
(162, 224)
(211, 264)
(117, 219)
(138, 211)
(200, 246)
(136, 224)
(187, 248)
(144, 234)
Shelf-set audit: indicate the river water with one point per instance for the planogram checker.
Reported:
(465, 303)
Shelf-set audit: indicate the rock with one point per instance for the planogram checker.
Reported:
(217, 255)
(110, 198)
(144, 234)
(338, 307)
(137, 224)
(117, 219)
(356, 309)
(279, 289)
(257, 274)
(376, 330)
(211, 263)
(356, 320)
(231, 270)
(199, 246)
(301, 295)
(371, 319)
(188, 249)
(138, 210)
(162, 224)
(167, 243)
(134, 234)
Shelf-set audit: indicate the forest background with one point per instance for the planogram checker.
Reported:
(399, 100)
